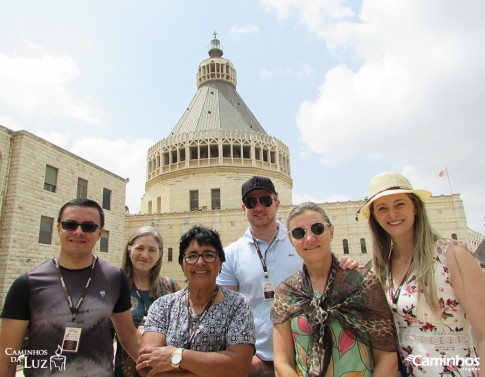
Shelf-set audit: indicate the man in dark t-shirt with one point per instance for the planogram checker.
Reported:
(64, 306)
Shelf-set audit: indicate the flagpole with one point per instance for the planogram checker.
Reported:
(452, 201)
(449, 182)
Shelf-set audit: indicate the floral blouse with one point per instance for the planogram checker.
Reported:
(429, 345)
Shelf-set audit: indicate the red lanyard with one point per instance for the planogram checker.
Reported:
(74, 309)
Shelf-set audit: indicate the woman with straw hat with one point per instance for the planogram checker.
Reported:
(435, 286)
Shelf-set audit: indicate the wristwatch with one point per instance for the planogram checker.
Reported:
(176, 358)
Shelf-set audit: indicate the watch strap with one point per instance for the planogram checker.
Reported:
(176, 358)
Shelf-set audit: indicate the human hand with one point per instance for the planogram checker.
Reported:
(153, 360)
(347, 263)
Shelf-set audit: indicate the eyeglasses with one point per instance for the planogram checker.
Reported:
(193, 258)
(252, 202)
(72, 225)
(317, 229)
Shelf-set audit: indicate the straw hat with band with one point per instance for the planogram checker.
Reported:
(389, 183)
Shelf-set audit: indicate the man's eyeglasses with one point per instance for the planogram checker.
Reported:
(252, 202)
(317, 229)
(72, 225)
(193, 258)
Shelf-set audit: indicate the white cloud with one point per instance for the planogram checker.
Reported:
(40, 84)
(298, 198)
(416, 98)
(126, 158)
(239, 30)
(61, 139)
(302, 71)
(266, 73)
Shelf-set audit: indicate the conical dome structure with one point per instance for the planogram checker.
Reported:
(215, 146)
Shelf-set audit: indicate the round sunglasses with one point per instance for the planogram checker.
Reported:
(251, 202)
(317, 229)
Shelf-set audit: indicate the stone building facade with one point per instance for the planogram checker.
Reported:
(194, 175)
(36, 179)
(351, 237)
(215, 146)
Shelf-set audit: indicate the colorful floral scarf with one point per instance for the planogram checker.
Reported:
(355, 298)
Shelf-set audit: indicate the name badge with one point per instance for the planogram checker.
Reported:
(72, 336)
(268, 290)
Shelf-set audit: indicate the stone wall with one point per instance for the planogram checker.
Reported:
(446, 214)
(23, 160)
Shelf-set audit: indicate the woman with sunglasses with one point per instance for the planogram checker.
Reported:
(142, 262)
(435, 286)
(204, 329)
(329, 321)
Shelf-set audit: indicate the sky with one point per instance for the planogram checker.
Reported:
(353, 88)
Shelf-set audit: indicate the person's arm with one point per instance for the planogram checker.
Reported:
(385, 363)
(468, 282)
(284, 350)
(126, 332)
(155, 358)
(227, 277)
(12, 334)
(234, 358)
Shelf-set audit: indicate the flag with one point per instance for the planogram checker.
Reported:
(442, 172)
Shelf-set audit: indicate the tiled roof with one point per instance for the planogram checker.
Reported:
(217, 106)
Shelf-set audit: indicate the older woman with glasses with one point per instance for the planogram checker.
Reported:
(204, 329)
(329, 321)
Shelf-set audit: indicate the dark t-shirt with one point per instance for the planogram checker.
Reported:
(37, 296)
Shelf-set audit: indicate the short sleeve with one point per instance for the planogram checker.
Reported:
(227, 276)
(157, 319)
(241, 327)
(16, 304)
(124, 300)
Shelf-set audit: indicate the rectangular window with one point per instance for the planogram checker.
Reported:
(345, 244)
(159, 204)
(50, 180)
(82, 188)
(216, 198)
(104, 242)
(106, 199)
(194, 200)
(150, 207)
(45, 230)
